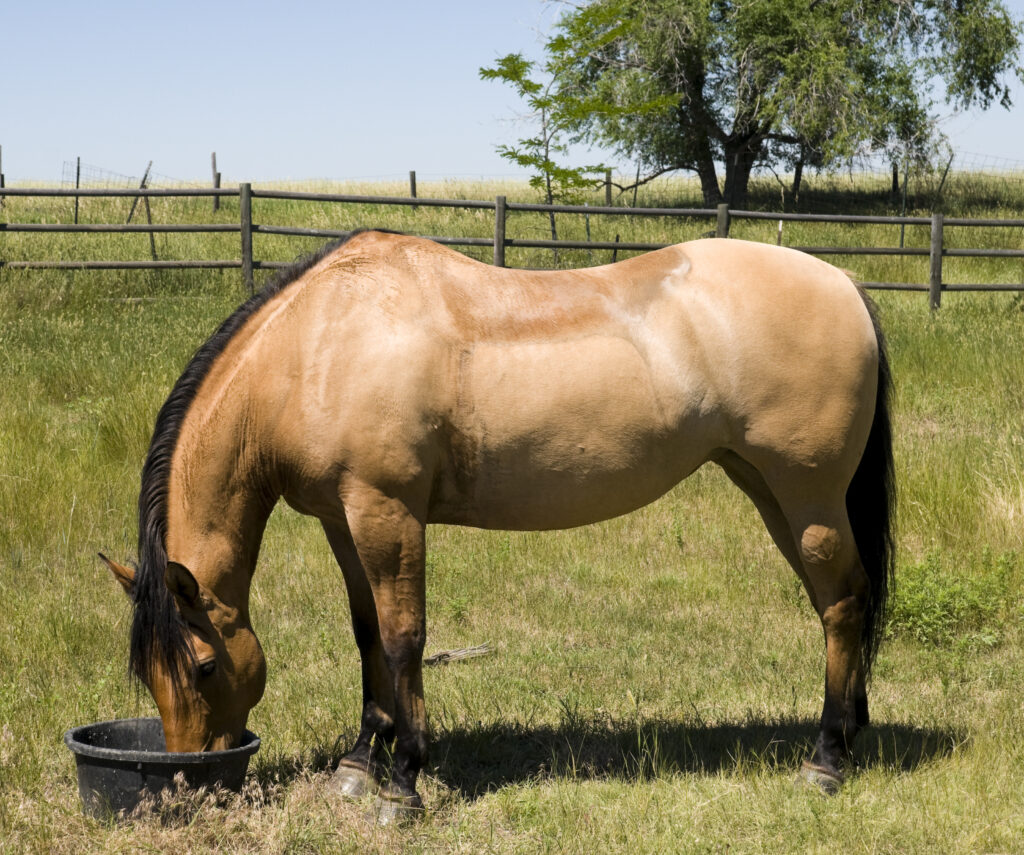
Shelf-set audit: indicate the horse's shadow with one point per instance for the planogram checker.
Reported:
(479, 760)
(474, 761)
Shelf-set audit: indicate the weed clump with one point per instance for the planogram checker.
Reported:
(945, 607)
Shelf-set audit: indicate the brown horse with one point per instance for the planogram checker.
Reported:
(389, 382)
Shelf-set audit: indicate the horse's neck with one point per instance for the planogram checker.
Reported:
(217, 501)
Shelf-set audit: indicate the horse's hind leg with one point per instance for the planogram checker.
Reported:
(358, 771)
(813, 532)
(839, 588)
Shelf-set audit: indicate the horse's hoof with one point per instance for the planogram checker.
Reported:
(397, 810)
(352, 782)
(822, 779)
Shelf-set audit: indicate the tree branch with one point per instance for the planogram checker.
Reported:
(789, 139)
(647, 179)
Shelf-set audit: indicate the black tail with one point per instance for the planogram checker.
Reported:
(871, 505)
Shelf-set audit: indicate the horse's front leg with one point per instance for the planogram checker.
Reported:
(359, 771)
(391, 545)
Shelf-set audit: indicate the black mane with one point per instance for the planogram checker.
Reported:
(157, 633)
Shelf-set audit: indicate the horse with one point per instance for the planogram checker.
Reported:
(388, 382)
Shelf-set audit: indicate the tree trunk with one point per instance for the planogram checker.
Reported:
(709, 181)
(739, 163)
(551, 219)
(698, 127)
(549, 190)
(798, 175)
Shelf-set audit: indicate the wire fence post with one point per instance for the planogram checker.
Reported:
(586, 221)
(149, 213)
(412, 185)
(245, 209)
(149, 219)
(142, 186)
(722, 226)
(78, 181)
(903, 207)
(1, 174)
(499, 231)
(935, 263)
(216, 181)
(608, 187)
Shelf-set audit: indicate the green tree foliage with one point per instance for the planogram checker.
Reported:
(559, 183)
(689, 84)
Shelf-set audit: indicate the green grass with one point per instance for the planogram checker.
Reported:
(657, 678)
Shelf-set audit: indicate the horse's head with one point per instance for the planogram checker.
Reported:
(204, 694)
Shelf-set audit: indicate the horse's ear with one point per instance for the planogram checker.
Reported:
(182, 583)
(124, 575)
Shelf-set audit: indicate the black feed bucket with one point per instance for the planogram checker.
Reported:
(121, 761)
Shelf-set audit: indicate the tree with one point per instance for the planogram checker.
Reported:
(689, 84)
(561, 184)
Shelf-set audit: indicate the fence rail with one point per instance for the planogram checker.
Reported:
(721, 216)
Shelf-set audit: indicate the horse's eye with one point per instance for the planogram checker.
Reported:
(205, 669)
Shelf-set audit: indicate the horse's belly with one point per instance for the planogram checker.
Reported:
(554, 435)
(560, 498)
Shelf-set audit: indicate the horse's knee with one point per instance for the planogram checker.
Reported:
(403, 646)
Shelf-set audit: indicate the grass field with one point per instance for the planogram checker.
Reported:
(656, 678)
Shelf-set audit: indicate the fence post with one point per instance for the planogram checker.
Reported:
(499, 231)
(935, 266)
(586, 220)
(722, 227)
(608, 187)
(1, 174)
(245, 209)
(149, 219)
(216, 181)
(142, 186)
(78, 180)
(903, 207)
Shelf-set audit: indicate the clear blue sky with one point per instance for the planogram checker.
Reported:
(299, 90)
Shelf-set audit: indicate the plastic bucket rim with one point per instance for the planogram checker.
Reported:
(250, 745)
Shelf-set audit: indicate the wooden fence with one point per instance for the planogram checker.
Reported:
(721, 216)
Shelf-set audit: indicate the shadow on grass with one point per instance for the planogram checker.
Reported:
(475, 761)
